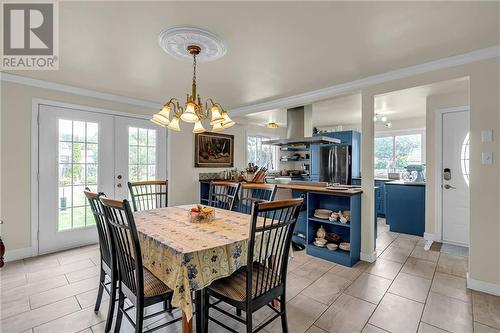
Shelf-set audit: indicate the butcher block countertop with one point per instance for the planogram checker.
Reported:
(321, 189)
(313, 187)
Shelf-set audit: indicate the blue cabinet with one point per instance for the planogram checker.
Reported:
(379, 195)
(405, 207)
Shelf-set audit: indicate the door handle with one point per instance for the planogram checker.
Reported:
(119, 185)
(119, 176)
(448, 186)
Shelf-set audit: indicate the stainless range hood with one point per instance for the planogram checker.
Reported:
(299, 129)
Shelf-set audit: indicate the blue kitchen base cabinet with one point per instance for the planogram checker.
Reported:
(350, 232)
(405, 207)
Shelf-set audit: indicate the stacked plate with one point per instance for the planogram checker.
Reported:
(322, 213)
(345, 246)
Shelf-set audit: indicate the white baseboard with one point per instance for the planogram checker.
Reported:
(430, 237)
(368, 257)
(17, 254)
(485, 287)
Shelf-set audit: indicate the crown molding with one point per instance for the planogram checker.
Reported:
(329, 92)
(285, 102)
(14, 78)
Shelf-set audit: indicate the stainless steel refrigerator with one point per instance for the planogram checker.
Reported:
(335, 164)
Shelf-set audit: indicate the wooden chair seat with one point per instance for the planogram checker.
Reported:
(153, 286)
(235, 286)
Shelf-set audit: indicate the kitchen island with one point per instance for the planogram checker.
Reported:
(405, 207)
(319, 197)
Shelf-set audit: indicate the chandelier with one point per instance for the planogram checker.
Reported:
(193, 111)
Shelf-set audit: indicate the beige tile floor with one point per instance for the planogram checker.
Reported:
(407, 289)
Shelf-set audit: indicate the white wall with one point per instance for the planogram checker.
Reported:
(484, 258)
(183, 176)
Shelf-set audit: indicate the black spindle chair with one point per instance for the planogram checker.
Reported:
(135, 282)
(264, 278)
(105, 251)
(150, 194)
(223, 194)
(251, 193)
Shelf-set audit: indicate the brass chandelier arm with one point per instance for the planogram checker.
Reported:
(174, 105)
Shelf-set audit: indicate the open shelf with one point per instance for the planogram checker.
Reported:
(338, 256)
(315, 219)
(294, 149)
(294, 160)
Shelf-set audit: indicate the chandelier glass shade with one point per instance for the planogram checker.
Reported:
(193, 111)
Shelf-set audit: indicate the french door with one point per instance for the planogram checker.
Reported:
(79, 149)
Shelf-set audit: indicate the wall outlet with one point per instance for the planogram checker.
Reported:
(487, 157)
(487, 135)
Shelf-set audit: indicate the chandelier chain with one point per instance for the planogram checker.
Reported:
(194, 68)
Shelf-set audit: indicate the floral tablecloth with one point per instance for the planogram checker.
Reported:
(189, 256)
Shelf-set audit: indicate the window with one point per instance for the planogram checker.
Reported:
(393, 152)
(464, 158)
(141, 154)
(78, 162)
(261, 155)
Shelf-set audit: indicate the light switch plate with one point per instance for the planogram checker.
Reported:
(487, 135)
(487, 157)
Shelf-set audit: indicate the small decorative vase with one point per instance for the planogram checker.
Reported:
(321, 233)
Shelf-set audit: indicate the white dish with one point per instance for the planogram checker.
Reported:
(319, 244)
(332, 246)
(345, 246)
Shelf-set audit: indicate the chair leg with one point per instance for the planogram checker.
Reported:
(119, 315)
(249, 320)
(284, 321)
(99, 292)
(206, 311)
(139, 317)
(167, 305)
(112, 301)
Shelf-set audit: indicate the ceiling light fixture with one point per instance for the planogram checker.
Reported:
(272, 124)
(383, 120)
(193, 110)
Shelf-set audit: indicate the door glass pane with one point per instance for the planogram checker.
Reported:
(141, 154)
(78, 168)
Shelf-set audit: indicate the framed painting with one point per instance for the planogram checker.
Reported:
(213, 150)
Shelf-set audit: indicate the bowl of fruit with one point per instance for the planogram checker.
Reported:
(200, 214)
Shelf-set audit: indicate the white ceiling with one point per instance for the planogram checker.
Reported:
(346, 110)
(275, 49)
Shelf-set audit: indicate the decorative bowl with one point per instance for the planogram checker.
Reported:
(345, 246)
(320, 241)
(331, 246)
(200, 214)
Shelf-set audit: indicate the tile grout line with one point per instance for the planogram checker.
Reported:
(428, 292)
(387, 291)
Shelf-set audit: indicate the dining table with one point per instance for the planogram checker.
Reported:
(188, 256)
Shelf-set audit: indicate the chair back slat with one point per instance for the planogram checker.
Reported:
(100, 221)
(251, 193)
(223, 194)
(270, 237)
(149, 194)
(125, 242)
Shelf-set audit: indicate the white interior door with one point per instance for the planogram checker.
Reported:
(141, 153)
(82, 148)
(455, 178)
(74, 150)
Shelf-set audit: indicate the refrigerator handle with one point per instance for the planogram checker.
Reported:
(333, 164)
(329, 164)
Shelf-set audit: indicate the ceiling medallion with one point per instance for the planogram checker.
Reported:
(175, 41)
(194, 111)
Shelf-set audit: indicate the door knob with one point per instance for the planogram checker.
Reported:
(448, 186)
(119, 176)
